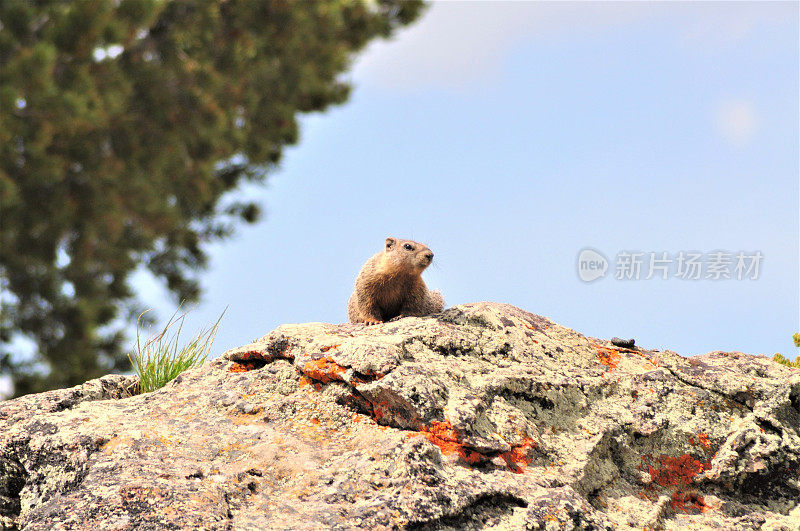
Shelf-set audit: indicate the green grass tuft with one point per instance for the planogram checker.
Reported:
(160, 360)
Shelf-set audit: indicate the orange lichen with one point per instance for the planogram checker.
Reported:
(443, 435)
(242, 366)
(517, 458)
(607, 356)
(702, 440)
(323, 370)
(446, 437)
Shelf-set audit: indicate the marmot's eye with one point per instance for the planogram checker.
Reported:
(408, 247)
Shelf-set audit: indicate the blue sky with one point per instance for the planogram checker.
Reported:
(508, 137)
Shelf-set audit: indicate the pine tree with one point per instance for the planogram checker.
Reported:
(122, 126)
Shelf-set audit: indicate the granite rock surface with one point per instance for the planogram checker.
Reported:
(481, 417)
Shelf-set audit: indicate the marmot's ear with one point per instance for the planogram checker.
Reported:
(390, 243)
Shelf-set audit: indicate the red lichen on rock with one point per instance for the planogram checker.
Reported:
(676, 471)
(323, 370)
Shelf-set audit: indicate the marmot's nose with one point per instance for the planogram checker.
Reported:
(429, 256)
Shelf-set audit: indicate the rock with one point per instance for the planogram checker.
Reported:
(624, 343)
(481, 416)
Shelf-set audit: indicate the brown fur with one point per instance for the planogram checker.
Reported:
(390, 285)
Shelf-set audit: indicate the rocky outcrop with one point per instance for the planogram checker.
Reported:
(483, 416)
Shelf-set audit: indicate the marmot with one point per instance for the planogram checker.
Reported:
(390, 285)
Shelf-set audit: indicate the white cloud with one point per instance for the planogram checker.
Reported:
(457, 43)
(713, 27)
(464, 43)
(736, 121)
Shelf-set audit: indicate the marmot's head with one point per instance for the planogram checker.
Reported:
(410, 254)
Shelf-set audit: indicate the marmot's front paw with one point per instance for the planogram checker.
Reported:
(370, 322)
